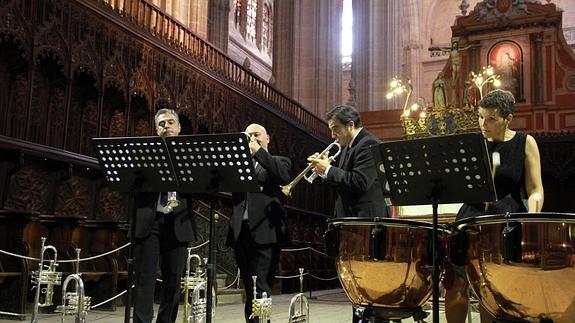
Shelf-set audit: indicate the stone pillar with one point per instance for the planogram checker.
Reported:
(283, 46)
(377, 51)
(411, 52)
(218, 23)
(538, 72)
(198, 17)
(307, 52)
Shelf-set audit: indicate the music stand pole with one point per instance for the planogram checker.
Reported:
(211, 265)
(130, 260)
(435, 269)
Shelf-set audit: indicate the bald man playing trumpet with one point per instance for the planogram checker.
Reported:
(258, 228)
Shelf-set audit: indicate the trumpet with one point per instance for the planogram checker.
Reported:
(199, 303)
(299, 305)
(45, 275)
(287, 189)
(74, 302)
(261, 307)
(195, 283)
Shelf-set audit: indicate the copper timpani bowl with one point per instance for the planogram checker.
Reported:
(384, 265)
(521, 265)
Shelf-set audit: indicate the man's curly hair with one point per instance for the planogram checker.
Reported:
(499, 99)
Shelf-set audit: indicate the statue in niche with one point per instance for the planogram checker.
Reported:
(439, 91)
(455, 58)
(470, 95)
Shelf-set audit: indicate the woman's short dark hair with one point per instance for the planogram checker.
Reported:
(345, 114)
(499, 99)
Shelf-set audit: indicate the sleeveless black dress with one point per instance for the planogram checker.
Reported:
(509, 179)
(510, 188)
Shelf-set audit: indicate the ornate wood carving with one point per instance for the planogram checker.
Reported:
(29, 190)
(48, 100)
(74, 198)
(117, 124)
(13, 86)
(110, 206)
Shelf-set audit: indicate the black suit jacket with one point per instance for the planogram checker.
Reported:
(359, 192)
(266, 214)
(184, 224)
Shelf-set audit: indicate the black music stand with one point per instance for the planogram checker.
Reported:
(192, 164)
(446, 169)
(211, 164)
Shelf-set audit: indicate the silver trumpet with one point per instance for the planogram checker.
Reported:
(261, 307)
(299, 305)
(74, 303)
(287, 189)
(46, 276)
(195, 282)
(199, 302)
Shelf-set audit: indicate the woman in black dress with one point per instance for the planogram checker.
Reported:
(517, 178)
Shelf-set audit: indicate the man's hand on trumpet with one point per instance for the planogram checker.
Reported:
(319, 162)
(254, 145)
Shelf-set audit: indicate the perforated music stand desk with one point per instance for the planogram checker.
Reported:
(446, 169)
(192, 164)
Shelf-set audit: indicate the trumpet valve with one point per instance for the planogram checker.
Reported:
(262, 307)
(256, 306)
(192, 281)
(70, 306)
(311, 177)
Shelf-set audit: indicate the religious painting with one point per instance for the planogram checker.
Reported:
(506, 58)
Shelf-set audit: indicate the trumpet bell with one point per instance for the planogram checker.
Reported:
(287, 189)
(75, 302)
(299, 309)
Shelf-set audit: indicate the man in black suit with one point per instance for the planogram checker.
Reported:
(359, 193)
(258, 227)
(162, 233)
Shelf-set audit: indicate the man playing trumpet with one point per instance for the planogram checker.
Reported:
(258, 228)
(359, 193)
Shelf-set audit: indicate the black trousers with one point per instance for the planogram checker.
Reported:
(160, 245)
(255, 260)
